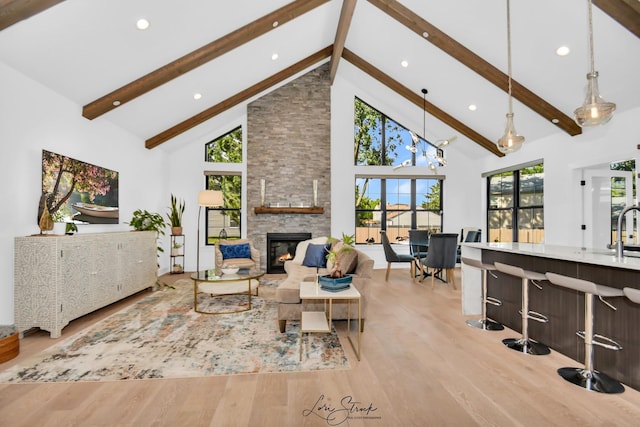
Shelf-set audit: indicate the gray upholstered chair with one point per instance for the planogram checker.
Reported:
(441, 257)
(391, 255)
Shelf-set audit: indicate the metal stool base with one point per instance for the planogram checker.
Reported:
(526, 346)
(485, 324)
(591, 380)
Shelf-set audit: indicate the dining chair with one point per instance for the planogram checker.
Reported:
(441, 257)
(418, 246)
(471, 236)
(392, 256)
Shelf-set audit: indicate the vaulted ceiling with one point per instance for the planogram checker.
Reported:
(145, 81)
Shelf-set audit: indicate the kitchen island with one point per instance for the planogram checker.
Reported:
(563, 307)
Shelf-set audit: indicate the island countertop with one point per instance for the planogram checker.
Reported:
(604, 257)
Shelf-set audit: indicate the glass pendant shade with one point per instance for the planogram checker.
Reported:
(510, 141)
(594, 111)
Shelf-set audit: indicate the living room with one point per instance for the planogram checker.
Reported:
(36, 117)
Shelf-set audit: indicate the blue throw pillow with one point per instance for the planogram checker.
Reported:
(316, 256)
(235, 251)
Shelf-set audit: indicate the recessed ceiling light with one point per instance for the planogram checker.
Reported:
(275, 24)
(116, 103)
(274, 56)
(197, 96)
(142, 24)
(472, 107)
(425, 35)
(404, 63)
(563, 51)
(555, 121)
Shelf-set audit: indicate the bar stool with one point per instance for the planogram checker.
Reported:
(632, 294)
(484, 323)
(524, 344)
(587, 377)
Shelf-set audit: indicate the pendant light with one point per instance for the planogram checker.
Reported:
(510, 141)
(595, 110)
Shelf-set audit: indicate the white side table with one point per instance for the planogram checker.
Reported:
(320, 321)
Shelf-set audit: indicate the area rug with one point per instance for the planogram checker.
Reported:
(161, 336)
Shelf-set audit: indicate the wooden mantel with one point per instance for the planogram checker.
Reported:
(313, 210)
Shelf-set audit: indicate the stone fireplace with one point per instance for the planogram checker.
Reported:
(281, 247)
(289, 147)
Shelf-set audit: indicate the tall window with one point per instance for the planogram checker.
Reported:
(224, 222)
(515, 209)
(382, 141)
(226, 148)
(396, 205)
(389, 203)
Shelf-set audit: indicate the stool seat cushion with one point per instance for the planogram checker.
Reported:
(519, 272)
(478, 264)
(584, 286)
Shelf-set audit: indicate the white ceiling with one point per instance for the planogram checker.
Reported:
(86, 49)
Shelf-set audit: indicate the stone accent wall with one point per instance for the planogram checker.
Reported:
(288, 145)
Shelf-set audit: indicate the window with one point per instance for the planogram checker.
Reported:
(224, 222)
(389, 203)
(515, 208)
(382, 141)
(396, 205)
(225, 149)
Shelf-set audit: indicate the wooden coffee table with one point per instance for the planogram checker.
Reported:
(207, 282)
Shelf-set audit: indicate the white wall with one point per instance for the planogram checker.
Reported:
(564, 157)
(34, 118)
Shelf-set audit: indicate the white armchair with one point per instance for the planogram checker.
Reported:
(237, 253)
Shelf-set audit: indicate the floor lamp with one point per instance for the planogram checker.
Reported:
(208, 199)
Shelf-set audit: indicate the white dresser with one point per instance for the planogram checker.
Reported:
(60, 278)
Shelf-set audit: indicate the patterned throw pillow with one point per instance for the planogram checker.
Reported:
(316, 256)
(235, 251)
(346, 259)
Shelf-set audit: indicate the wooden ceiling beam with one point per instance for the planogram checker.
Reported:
(198, 57)
(412, 96)
(474, 62)
(14, 11)
(348, 6)
(238, 98)
(626, 12)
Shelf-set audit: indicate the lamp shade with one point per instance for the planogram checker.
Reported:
(210, 198)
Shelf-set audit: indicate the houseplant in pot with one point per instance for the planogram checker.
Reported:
(340, 260)
(175, 215)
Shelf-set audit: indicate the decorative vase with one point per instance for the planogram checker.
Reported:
(315, 192)
(46, 223)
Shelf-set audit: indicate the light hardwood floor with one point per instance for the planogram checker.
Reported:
(421, 366)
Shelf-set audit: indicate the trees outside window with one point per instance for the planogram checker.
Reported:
(224, 222)
(387, 202)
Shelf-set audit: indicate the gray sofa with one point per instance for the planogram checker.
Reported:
(288, 292)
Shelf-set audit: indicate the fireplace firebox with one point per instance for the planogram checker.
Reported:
(282, 247)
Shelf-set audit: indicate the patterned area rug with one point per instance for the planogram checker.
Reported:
(161, 336)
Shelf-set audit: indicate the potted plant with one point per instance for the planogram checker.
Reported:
(175, 250)
(143, 220)
(175, 215)
(177, 268)
(70, 228)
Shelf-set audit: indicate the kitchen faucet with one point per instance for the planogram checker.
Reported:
(619, 245)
